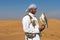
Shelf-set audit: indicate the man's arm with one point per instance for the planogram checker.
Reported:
(26, 23)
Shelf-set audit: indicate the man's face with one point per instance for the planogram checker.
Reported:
(33, 10)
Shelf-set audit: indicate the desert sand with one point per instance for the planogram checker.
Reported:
(13, 30)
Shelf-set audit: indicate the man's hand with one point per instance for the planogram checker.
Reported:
(42, 27)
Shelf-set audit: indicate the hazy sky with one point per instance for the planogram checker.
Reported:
(15, 9)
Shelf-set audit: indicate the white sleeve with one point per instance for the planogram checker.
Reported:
(26, 22)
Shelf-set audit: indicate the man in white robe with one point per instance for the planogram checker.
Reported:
(30, 23)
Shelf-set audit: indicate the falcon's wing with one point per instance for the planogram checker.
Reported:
(46, 23)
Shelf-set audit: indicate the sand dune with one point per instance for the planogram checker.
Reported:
(12, 30)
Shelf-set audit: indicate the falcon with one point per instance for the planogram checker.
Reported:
(43, 20)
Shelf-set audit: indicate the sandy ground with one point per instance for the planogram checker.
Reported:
(12, 30)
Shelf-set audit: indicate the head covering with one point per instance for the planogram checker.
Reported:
(31, 6)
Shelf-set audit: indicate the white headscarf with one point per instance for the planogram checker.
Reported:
(31, 6)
